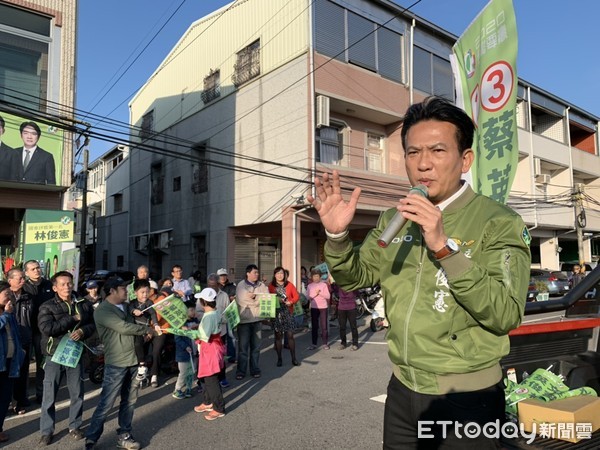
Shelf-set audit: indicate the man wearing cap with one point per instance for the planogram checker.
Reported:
(40, 289)
(117, 330)
(62, 316)
(92, 296)
(37, 164)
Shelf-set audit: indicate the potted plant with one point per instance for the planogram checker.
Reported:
(543, 293)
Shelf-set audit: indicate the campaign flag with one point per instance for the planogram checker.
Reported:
(267, 305)
(484, 65)
(173, 310)
(68, 352)
(232, 315)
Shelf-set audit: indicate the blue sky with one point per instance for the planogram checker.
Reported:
(557, 46)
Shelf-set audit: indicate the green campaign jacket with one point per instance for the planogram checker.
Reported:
(448, 319)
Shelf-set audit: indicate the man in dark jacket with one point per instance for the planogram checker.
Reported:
(23, 303)
(40, 289)
(59, 317)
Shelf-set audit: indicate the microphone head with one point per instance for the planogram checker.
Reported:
(419, 189)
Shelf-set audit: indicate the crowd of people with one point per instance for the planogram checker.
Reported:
(43, 320)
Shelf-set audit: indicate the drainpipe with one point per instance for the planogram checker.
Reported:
(531, 160)
(410, 63)
(295, 243)
(311, 93)
(570, 148)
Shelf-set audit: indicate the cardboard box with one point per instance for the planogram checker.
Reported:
(568, 419)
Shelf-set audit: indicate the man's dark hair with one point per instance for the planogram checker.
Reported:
(4, 286)
(176, 266)
(30, 261)
(62, 273)
(2, 124)
(33, 125)
(442, 110)
(137, 284)
(251, 267)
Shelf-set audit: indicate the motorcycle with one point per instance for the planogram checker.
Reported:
(366, 300)
(96, 368)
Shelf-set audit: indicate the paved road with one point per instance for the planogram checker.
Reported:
(325, 403)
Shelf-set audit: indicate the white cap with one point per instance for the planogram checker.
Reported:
(153, 285)
(207, 294)
(222, 271)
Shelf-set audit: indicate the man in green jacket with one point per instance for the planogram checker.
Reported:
(454, 278)
(117, 330)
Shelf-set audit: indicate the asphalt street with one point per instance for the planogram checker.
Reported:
(332, 401)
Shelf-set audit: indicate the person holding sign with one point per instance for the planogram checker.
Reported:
(249, 328)
(117, 330)
(287, 296)
(454, 276)
(63, 322)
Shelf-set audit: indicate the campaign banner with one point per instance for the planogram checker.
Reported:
(173, 310)
(68, 353)
(44, 164)
(324, 271)
(484, 64)
(232, 315)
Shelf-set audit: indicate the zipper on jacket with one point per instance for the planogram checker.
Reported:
(410, 310)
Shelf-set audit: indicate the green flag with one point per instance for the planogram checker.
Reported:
(68, 352)
(173, 310)
(232, 315)
(267, 305)
(484, 66)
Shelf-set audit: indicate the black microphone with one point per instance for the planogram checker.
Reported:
(398, 221)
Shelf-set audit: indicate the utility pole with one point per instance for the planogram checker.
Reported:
(580, 220)
(84, 214)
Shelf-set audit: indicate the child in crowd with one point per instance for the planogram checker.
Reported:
(141, 288)
(186, 355)
(319, 295)
(212, 356)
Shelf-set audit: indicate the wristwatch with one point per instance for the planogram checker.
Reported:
(449, 248)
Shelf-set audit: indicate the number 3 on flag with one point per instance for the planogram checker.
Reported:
(497, 85)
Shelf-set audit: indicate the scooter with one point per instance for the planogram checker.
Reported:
(367, 299)
(378, 320)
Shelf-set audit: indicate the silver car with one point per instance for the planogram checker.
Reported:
(557, 282)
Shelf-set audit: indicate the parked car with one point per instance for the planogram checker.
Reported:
(557, 281)
(532, 292)
(100, 276)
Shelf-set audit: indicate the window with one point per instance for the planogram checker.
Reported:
(212, 86)
(368, 45)
(120, 261)
(176, 184)
(374, 153)
(330, 142)
(247, 65)
(199, 170)
(432, 74)
(117, 203)
(147, 128)
(157, 181)
(24, 60)
(113, 163)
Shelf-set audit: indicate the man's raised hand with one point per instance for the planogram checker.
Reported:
(335, 213)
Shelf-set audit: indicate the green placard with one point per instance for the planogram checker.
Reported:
(232, 315)
(68, 353)
(267, 305)
(173, 310)
(298, 310)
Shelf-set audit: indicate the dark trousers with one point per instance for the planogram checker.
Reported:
(6, 388)
(141, 349)
(213, 393)
(409, 415)
(20, 384)
(249, 335)
(39, 365)
(158, 342)
(350, 316)
(318, 318)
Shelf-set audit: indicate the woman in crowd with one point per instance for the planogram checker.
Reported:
(346, 311)
(283, 322)
(319, 295)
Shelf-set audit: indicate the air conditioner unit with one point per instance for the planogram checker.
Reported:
(543, 178)
(165, 240)
(322, 111)
(141, 243)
